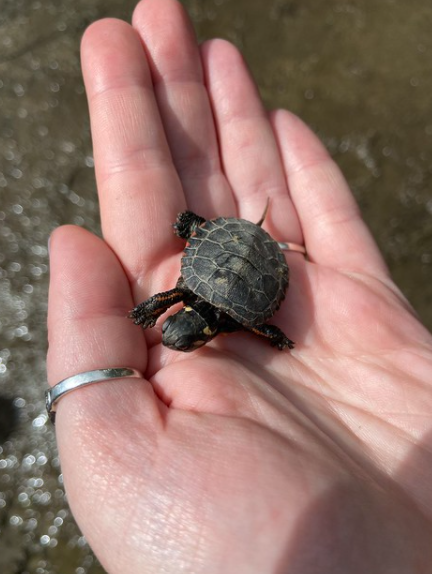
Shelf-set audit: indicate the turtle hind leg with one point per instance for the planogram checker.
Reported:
(273, 334)
(147, 313)
(186, 224)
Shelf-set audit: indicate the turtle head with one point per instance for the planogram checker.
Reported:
(186, 331)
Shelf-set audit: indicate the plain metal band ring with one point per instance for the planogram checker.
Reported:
(53, 395)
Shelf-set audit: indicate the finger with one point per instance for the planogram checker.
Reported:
(335, 233)
(139, 189)
(88, 329)
(183, 103)
(250, 155)
(89, 298)
(104, 431)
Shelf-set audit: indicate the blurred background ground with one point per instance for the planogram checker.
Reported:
(360, 72)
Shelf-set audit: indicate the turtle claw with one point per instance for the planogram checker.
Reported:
(283, 343)
(146, 322)
(141, 316)
(148, 312)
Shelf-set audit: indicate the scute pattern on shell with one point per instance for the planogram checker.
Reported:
(237, 267)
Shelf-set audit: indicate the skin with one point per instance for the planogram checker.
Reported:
(237, 457)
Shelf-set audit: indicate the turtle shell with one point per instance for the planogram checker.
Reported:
(237, 267)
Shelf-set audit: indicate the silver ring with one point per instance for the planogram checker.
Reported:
(52, 396)
(286, 246)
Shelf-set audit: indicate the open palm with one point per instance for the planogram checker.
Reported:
(237, 457)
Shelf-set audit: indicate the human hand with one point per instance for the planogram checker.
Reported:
(237, 457)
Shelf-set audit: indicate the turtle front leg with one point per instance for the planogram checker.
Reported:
(273, 334)
(147, 313)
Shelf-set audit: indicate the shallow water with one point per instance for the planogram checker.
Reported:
(359, 72)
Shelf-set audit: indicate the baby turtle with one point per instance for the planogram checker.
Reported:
(233, 278)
